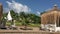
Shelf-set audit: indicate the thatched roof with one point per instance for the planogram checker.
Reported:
(53, 10)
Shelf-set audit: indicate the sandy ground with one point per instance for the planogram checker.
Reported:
(35, 29)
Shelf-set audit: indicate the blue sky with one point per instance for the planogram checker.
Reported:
(35, 5)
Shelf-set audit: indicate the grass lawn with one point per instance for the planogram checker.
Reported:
(20, 24)
(34, 25)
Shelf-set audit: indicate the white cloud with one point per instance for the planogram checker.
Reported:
(38, 12)
(18, 7)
